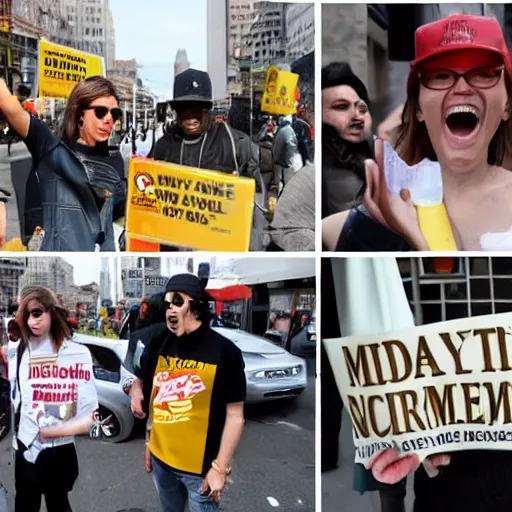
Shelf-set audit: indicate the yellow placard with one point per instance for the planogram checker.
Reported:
(61, 68)
(279, 95)
(181, 206)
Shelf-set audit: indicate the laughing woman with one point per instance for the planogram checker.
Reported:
(458, 114)
(46, 421)
(76, 188)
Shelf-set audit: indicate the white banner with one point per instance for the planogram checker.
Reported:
(430, 389)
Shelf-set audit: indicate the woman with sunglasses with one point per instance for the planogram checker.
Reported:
(458, 114)
(76, 188)
(54, 399)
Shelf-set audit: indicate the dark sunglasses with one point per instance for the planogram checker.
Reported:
(101, 112)
(177, 301)
(36, 313)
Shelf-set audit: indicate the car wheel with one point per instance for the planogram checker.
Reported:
(118, 433)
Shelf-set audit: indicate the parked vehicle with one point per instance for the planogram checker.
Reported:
(271, 372)
(110, 376)
(303, 344)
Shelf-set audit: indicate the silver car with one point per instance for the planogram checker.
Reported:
(271, 373)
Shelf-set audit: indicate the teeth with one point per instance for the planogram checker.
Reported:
(462, 109)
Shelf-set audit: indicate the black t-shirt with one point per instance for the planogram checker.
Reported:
(194, 377)
(40, 140)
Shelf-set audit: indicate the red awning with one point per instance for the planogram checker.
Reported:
(230, 293)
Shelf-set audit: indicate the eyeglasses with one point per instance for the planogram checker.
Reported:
(36, 313)
(177, 301)
(443, 79)
(101, 112)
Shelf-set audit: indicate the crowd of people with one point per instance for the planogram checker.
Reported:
(76, 191)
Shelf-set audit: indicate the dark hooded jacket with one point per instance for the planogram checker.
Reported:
(219, 148)
(343, 175)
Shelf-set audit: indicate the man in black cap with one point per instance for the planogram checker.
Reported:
(197, 140)
(192, 382)
(346, 137)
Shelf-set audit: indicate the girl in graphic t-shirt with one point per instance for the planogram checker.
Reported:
(54, 398)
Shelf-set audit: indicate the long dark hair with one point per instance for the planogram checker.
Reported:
(59, 330)
(80, 98)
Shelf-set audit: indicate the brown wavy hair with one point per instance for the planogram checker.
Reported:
(413, 143)
(59, 330)
(80, 98)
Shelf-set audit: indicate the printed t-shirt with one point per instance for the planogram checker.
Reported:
(55, 387)
(196, 375)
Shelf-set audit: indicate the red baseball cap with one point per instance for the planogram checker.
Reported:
(461, 32)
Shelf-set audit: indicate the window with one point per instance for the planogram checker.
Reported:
(475, 286)
(105, 364)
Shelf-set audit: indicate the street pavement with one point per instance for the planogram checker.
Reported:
(337, 494)
(273, 468)
(17, 150)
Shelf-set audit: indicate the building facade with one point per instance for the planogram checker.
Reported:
(268, 34)
(11, 270)
(300, 30)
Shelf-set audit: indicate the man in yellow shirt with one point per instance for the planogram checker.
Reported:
(196, 385)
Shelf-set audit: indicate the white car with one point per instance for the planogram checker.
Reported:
(271, 373)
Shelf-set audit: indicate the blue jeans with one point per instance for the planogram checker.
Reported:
(176, 488)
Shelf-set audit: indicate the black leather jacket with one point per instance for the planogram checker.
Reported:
(65, 195)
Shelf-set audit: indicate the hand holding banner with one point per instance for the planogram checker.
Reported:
(176, 205)
(428, 390)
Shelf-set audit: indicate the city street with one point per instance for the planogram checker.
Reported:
(17, 150)
(273, 468)
(337, 494)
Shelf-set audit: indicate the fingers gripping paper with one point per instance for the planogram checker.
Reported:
(432, 389)
(177, 205)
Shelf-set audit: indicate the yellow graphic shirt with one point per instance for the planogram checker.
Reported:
(180, 408)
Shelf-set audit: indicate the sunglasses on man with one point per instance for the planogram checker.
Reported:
(101, 112)
(177, 300)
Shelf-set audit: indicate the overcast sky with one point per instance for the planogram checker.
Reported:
(152, 31)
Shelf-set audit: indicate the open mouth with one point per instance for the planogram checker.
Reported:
(462, 121)
(173, 322)
(356, 125)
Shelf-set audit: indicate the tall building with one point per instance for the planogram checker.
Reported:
(300, 30)
(181, 63)
(268, 34)
(105, 281)
(241, 17)
(110, 41)
(123, 74)
(52, 272)
(11, 269)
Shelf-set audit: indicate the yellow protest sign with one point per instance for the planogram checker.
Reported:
(61, 68)
(279, 95)
(175, 205)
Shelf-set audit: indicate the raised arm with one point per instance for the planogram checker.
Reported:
(14, 112)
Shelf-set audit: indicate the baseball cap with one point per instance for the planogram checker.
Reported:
(461, 32)
(189, 284)
(192, 86)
